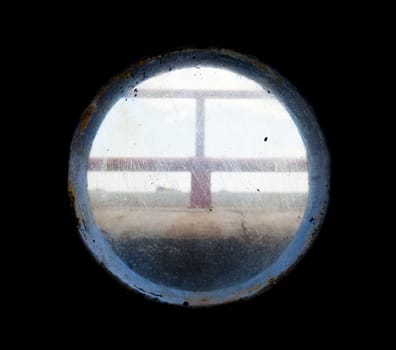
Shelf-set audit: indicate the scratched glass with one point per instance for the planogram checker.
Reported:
(198, 178)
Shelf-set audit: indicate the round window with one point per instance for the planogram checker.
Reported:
(198, 177)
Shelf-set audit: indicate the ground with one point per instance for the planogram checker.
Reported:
(198, 249)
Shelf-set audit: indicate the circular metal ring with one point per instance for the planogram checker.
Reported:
(318, 163)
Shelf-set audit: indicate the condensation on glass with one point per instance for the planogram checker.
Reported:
(200, 184)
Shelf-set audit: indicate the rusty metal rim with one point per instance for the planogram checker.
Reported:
(300, 111)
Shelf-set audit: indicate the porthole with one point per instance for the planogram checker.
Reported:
(198, 177)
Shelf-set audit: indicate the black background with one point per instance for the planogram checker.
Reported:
(71, 288)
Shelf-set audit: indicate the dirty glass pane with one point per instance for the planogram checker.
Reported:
(198, 178)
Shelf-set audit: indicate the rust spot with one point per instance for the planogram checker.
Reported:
(272, 281)
(86, 116)
(70, 194)
(126, 74)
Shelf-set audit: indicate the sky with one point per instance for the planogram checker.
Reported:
(165, 127)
